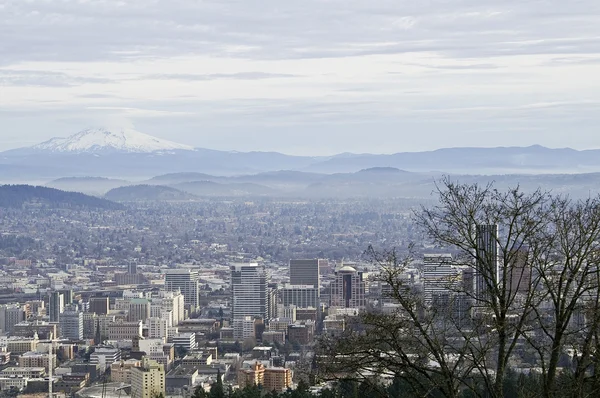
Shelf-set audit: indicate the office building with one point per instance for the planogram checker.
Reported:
(71, 325)
(148, 380)
(138, 309)
(186, 282)
(305, 272)
(10, 315)
(121, 330)
(249, 291)
(244, 328)
(301, 296)
(105, 357)
(486, 262)
(348, 288)
(439, 275)
(56, 305)
(67, 296)
(99, 305)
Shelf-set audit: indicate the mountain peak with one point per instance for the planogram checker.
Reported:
(113, 140)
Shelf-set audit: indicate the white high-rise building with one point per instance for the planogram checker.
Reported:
(439, 275)
(243, 328)
(169, 301)
(249, 291)
(158, 328)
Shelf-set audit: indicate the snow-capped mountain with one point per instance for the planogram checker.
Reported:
(104, 140)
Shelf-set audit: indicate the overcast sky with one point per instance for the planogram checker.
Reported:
(304, 77)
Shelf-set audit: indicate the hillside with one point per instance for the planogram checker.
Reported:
(136, 193)
(16, 196)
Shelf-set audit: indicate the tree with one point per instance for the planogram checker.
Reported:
(523, 265)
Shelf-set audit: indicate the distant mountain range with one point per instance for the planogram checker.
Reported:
(17, 196)
(125, 154)
(368, 183)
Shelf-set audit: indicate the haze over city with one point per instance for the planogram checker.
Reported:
(299, 199)
(310, 78)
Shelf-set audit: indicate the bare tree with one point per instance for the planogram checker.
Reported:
(567, 316)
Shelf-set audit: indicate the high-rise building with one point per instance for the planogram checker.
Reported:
(172, 302)
(138, 309)
(132, 268)
(99, 305)
(439, 275)
(305, 272)
(519, 272)
(10, 315)
(56, 306)
(249, 291)
(348, 288)
(186, 282)
(486, 267)
(67, 296)
(243, 328)
(71, 325)
(302, 296)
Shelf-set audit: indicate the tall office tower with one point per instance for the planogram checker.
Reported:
(301, 296)
(99, 305)
(439, 275)
(71, 325)
(148, 381)
(56, 306)
(138, 309)
(519, 272)
(186, 282)
(249, 291)
(10, 315)
(305, 272)
(486, 267)
(272, 300)
(348, 288)
(132, 268)
(169, 302)
(67, 296)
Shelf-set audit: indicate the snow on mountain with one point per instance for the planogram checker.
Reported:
(101, 140)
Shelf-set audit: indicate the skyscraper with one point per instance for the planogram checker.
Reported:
(486, 268)
(305, 272)
(56, 306)
(71, 325)
(185, 281)
(249, 291)
(348, 288)
(439, 275)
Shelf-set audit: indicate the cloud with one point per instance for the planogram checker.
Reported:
(227, 66)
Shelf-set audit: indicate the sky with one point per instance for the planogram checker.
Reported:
(304, 77)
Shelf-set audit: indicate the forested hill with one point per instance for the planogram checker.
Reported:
(15, 196)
